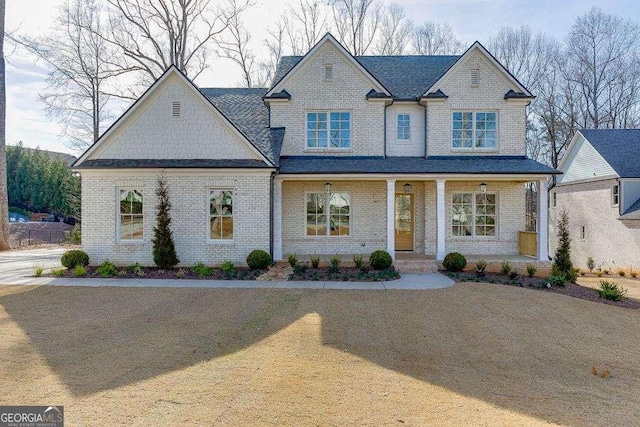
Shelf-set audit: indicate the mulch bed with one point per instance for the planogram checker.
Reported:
(345, 274)
(570, 289)
(242, 273)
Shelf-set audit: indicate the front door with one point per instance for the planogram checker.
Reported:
(404, 222)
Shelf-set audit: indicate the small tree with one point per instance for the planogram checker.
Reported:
(562, 259)
(164, 250)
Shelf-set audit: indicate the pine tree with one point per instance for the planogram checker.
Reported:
(562, 258)
(164, 250)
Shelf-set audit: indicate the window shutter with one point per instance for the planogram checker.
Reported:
(176, 108)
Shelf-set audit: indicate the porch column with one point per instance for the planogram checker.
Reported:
(440, 220)
(542, 223)
(391, 232)
(277, 220)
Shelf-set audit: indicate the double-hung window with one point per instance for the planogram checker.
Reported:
(220, 214)
(338, 214)
(328, 130)
(131, 218)
(473, 215)
(474, 130)
(615, 195)
(403, 132)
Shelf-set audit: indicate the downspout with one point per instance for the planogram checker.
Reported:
(271, 218)
(384, 132)
(425, 131)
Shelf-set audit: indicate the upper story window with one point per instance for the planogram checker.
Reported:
(615, 195)
(131, 218)
(474, 129)
(404, 127)
(329, 129)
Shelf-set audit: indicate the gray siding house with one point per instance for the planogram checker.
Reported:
(341, 155)
(600, 190)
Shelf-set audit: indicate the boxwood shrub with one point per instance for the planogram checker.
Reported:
(380, 260)
(74, 257)
(454, 261)
(258, 259)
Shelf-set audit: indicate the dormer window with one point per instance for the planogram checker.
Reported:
(328, 72)
(404, 127)
(176, 109)
(475, 77)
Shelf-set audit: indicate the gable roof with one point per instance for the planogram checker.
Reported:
(477, 46)
(328, 38)
(619, 147)
(172, 70)
(406, 76)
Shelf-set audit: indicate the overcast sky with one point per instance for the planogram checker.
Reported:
(471, 20)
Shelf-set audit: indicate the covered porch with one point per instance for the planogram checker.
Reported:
(409, 216)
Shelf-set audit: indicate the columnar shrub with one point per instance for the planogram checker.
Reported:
(562, 258)
(164, 249)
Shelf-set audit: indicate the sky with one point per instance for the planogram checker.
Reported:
(471, 20)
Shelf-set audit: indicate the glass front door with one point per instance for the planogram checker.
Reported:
(404, 222)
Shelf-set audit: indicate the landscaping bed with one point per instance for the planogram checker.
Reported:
(240, 273)
(345, 274)
(570, 289)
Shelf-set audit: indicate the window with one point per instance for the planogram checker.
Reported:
(339, 214)
(221, 214)
(404, 125)
(328, 72)
(474, 129)
(131, 216)
(332, 133)
(474, 214)
(583, 232)
(615, 195)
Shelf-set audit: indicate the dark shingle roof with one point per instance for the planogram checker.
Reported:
(247, 111)
(406, 77)
(619, 147)
(431, 165)
(172, 163)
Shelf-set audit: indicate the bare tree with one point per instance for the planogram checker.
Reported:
(154, 34)
(236, 47)
(82, 66)
(356, 23)
(304, 24)
(395, 30)
(433, 38)
(5, 242)
(600, 47)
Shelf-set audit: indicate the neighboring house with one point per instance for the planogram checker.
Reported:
(342, 155)
(600, 190)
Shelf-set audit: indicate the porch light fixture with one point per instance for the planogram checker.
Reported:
(75, 174)
(483, 188)
(407, 188)
(327, 187)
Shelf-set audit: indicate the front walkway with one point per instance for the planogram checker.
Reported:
(408, 281)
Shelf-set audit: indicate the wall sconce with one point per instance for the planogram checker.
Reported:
(75, 174)
(483, 188)
(327, 187)
(407, 188)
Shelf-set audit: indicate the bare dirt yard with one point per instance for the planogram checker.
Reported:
(474, 353)
(631, 285)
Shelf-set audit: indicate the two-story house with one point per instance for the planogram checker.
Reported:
(342, 155)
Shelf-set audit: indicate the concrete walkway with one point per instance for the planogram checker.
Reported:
(16, 268)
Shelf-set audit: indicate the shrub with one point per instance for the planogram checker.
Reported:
(180, 274)
(556, 280)
(582, 272)
(531, 270)
(481, 266)
(75, 235)
(562, 258)
(599, 273)
(139, 271)
(513, 274)
(611, 291)
(75, 257)
(634, 274)
(358, 260)
(300, 268)
(202, 270)
(380, 260)
(258, 259)
(314, 260)
(454, 261)
(572, 275)
(334, 263)
(37, 270)
(107, 269)
(58, 272)
(606, 272)
(506, 268)
(621, 273)
(591, 264)
(79, 271)
(228, 267)
(164, 250)
(293, 260)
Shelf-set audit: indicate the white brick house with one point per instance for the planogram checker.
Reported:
(342, 155)
(600, 191)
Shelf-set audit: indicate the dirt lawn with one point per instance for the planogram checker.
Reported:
(470, 354)
(631, 285)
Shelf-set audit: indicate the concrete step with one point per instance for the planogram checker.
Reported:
(416, 265)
